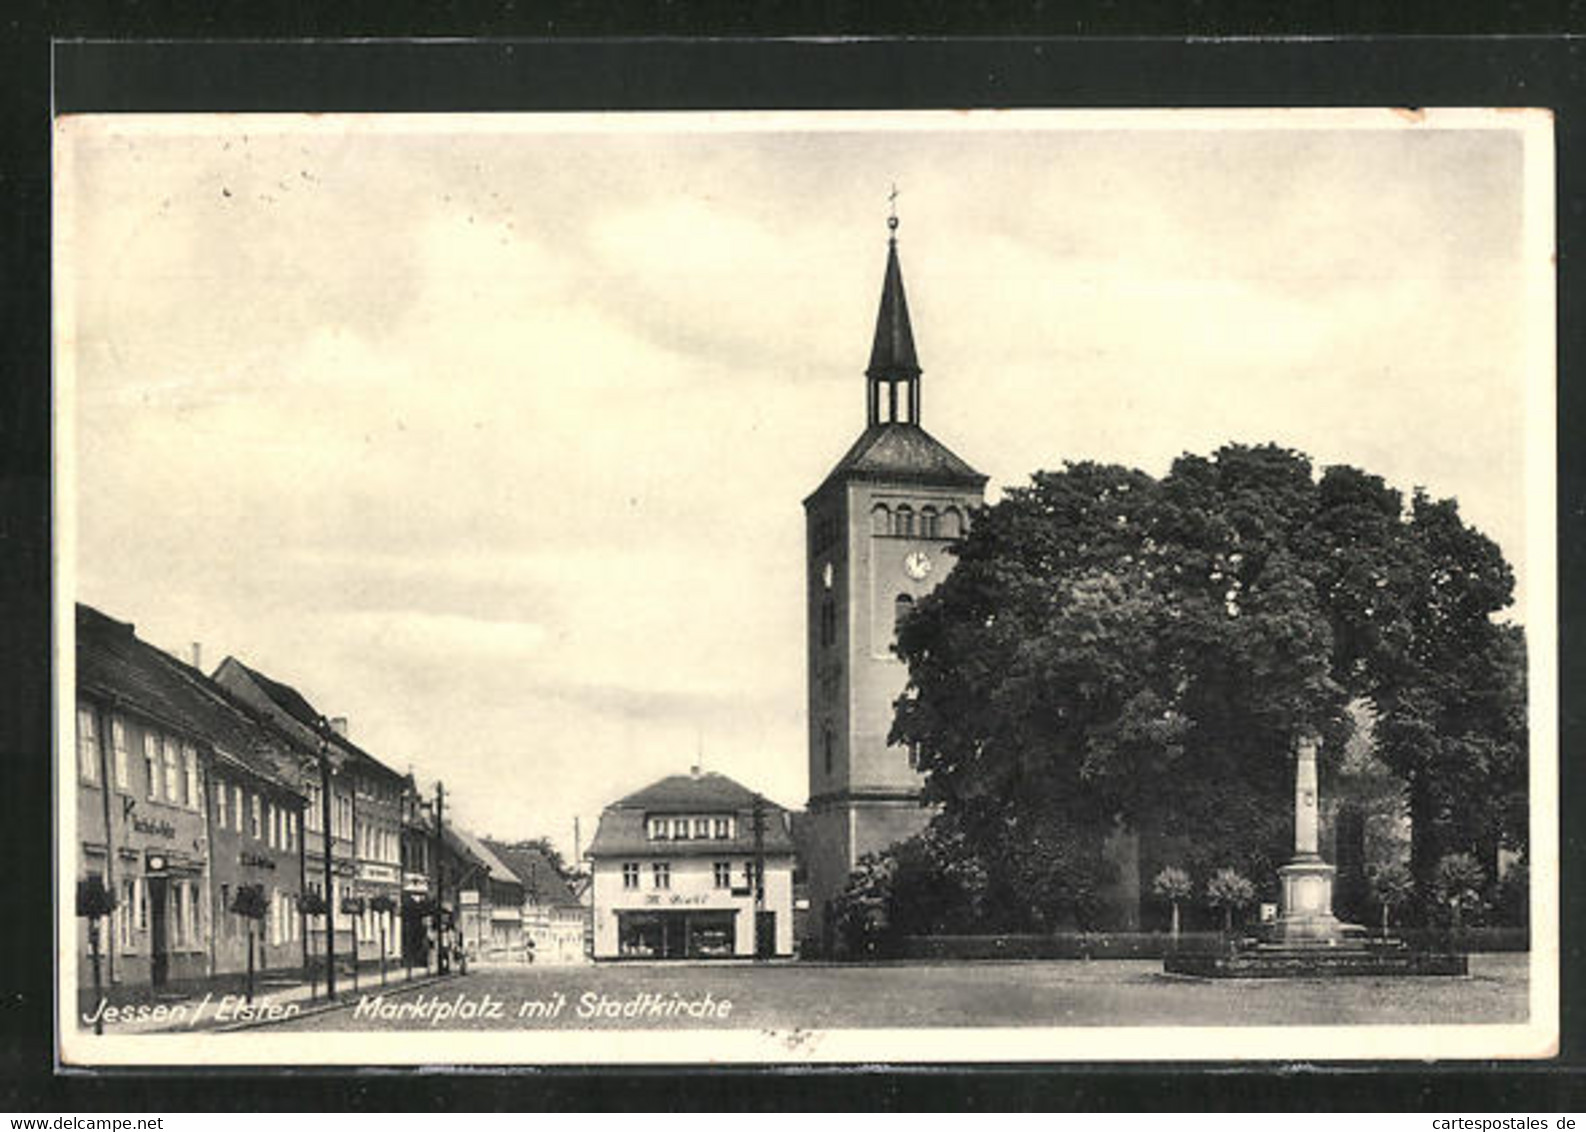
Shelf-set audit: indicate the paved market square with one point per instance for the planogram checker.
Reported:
(1055, 993)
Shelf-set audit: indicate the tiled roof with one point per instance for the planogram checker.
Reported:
(296, 705)
(905, 452)
(542, 882)
(113, 664)
(480, 851)
(622, 829)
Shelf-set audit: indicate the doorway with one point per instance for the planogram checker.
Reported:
(764, 935)
(159, 939)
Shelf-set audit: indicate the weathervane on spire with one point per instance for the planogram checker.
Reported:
(892, 202)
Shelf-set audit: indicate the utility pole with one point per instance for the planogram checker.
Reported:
(759, 871)
(442, 966)
(330, 883)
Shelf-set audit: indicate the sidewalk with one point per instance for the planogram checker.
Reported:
(220, 1004)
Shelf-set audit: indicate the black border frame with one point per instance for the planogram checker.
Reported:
(693, 73)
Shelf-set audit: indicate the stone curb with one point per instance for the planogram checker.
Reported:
(322, 1006)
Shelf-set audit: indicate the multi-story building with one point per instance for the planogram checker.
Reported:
(183, 796)
(489, 900)
(553, 917)
(692, 866)
(365, 836)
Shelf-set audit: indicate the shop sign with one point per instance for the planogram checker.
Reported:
(384, 873)
(257, 860)
(468, 898)
(678, 900)
(415, 882)
(154, 828)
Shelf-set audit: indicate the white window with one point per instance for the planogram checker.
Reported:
(220, 805)
(190, 767)
(701, 827)
(118, 740)
(658, 829)
(141, 905)
(314, 804)
(124, 914)
(661, 872)
(87, 745)
(723, 874)
(723, 828)
(272, 823)
(151, 763)
(679, 829)
(630, 874)
(236, 802)
(173, 780)
(255, 817)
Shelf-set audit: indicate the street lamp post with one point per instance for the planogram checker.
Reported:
(330, 890)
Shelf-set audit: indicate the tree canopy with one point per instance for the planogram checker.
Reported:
(1117, 651)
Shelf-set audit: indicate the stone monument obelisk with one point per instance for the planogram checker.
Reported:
(1307, 940)
(1306, 911)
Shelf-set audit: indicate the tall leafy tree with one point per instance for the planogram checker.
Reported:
(1114, 651)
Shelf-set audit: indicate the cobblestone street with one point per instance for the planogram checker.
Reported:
(808, 996)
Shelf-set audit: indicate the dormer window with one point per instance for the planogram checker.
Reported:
(658, 829)
(679, 829)
(723, 829)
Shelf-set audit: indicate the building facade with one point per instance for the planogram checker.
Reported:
(553, 917)
(878, 529)
(365, 836)
(184, 796)
(694, 866)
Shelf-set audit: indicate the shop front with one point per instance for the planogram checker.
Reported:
(694, 934)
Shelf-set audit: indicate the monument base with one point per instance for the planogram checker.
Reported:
(1256, 960)
(1307, 941)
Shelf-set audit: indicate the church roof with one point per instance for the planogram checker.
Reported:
(905, 452)
(892, 354)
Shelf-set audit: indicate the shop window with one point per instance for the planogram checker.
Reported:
(87, 746)
(723, 874)
(903, 521)
(118, 740)
(661, 874)
(630, 874)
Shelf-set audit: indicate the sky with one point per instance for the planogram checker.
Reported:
(492, 433)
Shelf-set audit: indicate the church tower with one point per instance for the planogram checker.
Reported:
(877, 531)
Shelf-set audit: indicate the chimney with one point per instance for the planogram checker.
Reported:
(338, 724)
(198, 656)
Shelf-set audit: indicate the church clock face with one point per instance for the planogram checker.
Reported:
(917, 565)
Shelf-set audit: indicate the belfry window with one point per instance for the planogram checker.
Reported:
(901, 609)
(903, 521)
(880, 520)
(952, 523)
(928, 526)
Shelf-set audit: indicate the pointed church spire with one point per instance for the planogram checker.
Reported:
(892, 357)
